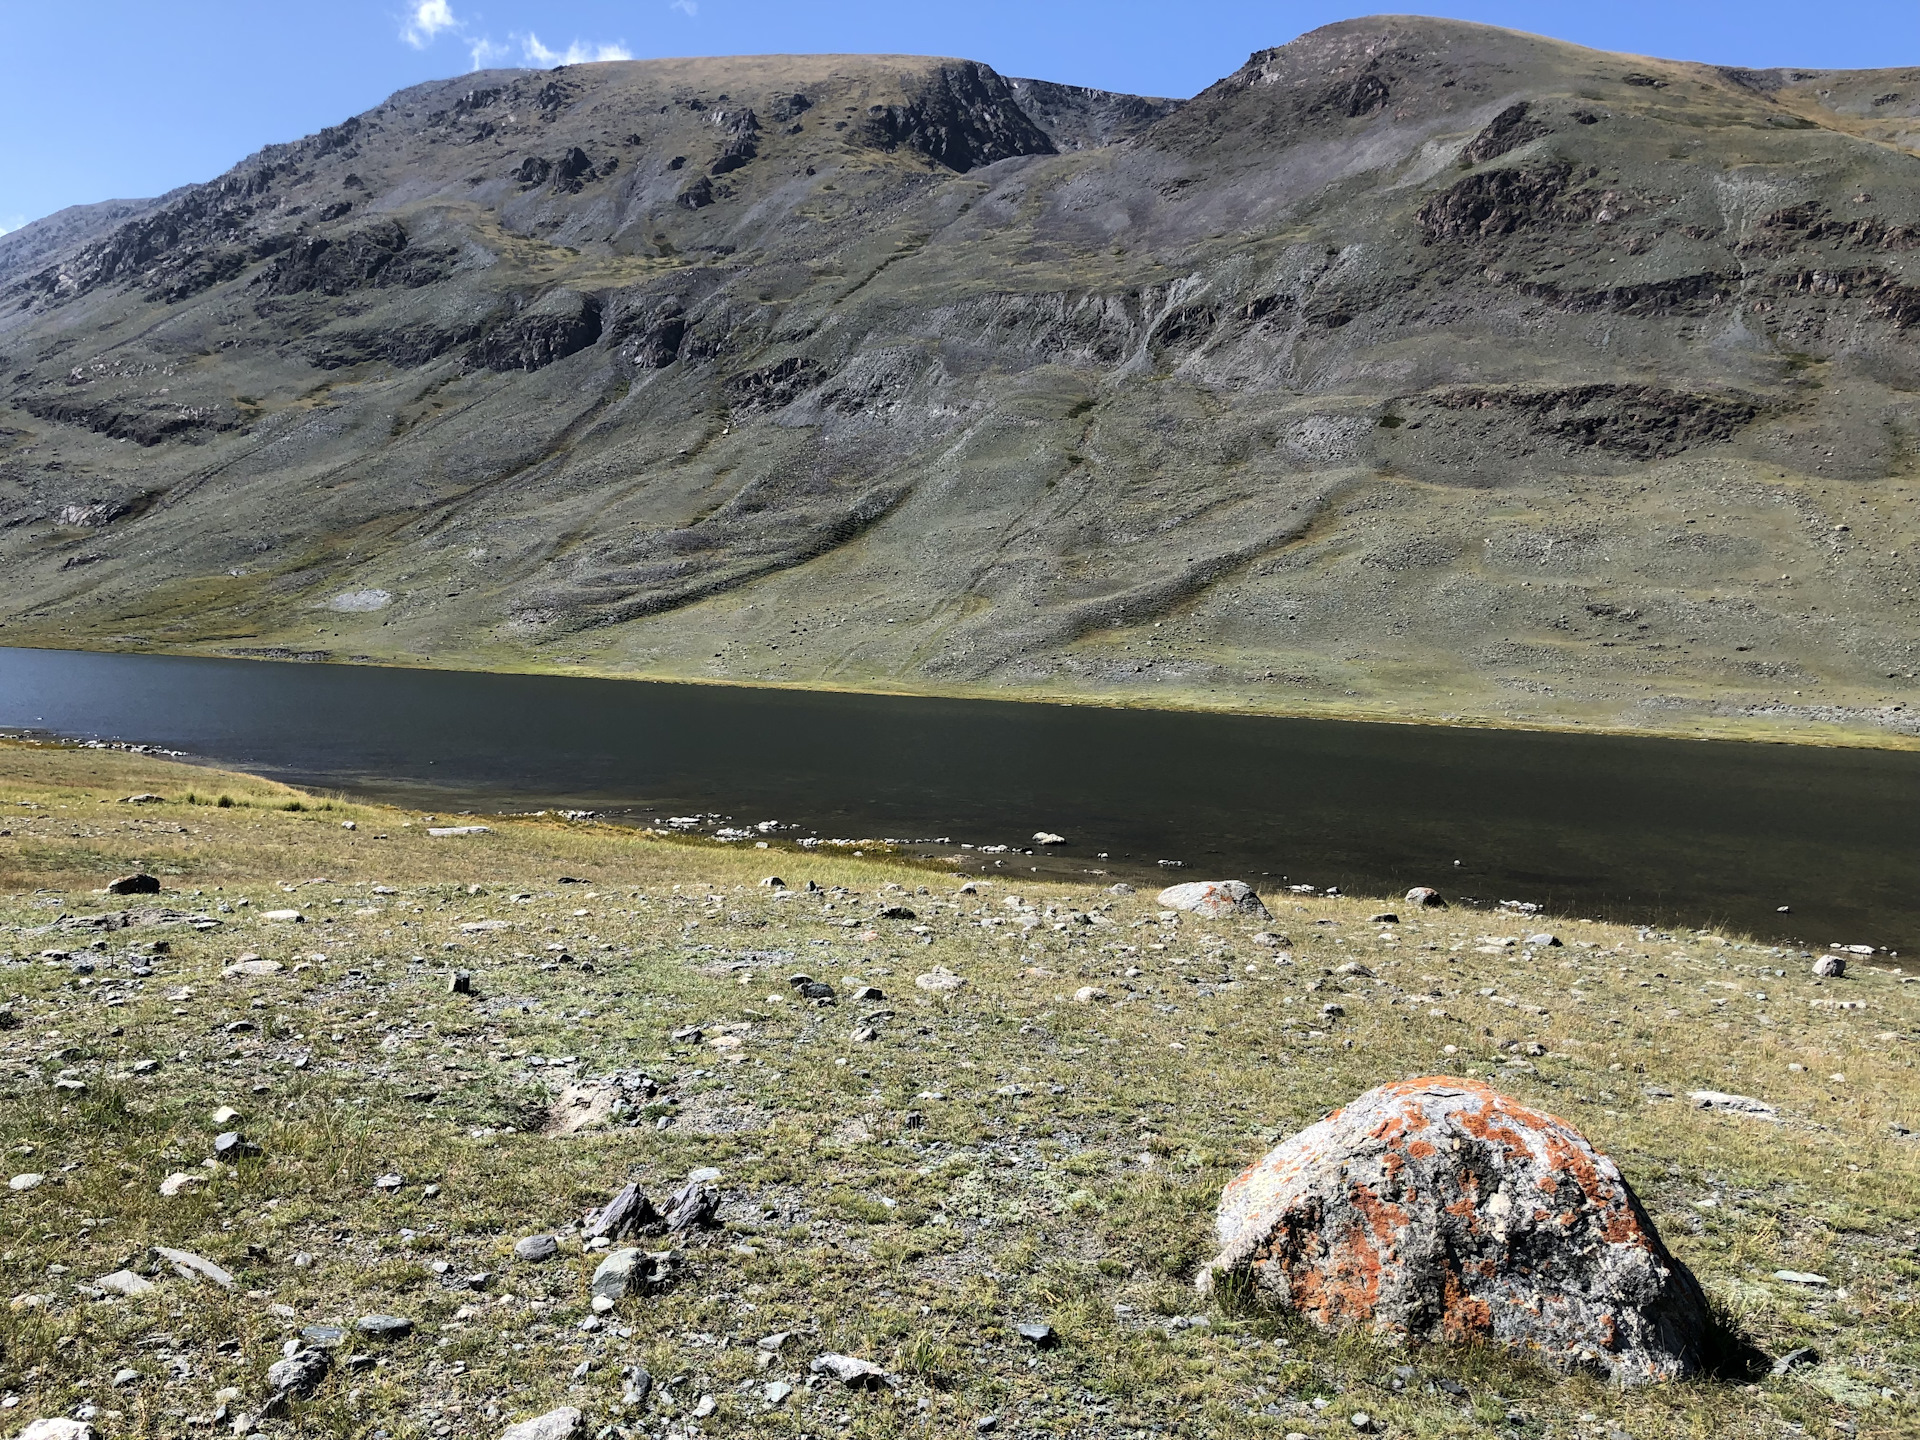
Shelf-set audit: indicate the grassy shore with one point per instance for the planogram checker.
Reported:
(993, 1155)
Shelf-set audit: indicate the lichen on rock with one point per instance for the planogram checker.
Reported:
(1440, 1209)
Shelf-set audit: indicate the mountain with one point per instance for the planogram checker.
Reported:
(1415, 369)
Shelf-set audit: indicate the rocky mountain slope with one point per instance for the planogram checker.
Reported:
(1416, 368)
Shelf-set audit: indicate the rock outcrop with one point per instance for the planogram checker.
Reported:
(1440, 1209)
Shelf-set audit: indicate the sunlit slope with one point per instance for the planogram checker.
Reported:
(1417, 368)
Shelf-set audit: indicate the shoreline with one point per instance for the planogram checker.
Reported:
(1806, 734)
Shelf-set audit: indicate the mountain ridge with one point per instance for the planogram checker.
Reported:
(1417, 369)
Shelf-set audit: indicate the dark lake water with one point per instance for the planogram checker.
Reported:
(1665, 832)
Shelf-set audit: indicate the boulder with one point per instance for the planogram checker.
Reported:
(1427, 897)
(1440, 1209)
(1215, 899)
(939, 979)
(1831, 967)
(134, 885)
(561, 1424)
(632, 1272)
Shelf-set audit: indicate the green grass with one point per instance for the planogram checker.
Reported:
(861, 1214)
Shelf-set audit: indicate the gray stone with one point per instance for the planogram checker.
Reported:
(324, 1337)
(299, 1374)
(639, 1385)
(1040, 1336)
(536, 1248)
(1831, 967)
(1544, 940)
(850, 1371)
(693, 1207)
(384, 1327)
(1427, 897)
(633, 1272)
(776, 1392)
(1440, 1209)
(561, 1424)
(231, 1145)
(1215, 900)
(1795, 1359)
(134, 885)
(628, 1212)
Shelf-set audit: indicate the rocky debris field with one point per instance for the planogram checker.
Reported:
(548, 1130)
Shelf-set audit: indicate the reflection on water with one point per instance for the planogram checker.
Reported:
(1658, 831)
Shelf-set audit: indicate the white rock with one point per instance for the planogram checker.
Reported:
(850, 1371)
(1801, 1277)
(25, 1182)
(939, 978)
(189, 1266)
(1087, 994)
(1725, 1104)
(444, 832)
(55, 1428)
(225, 1115)
(180, 1180)
(125, 1282)
(255, 968)
(290, 917)
(480, 927)
(561, 1424)
(1047, 837)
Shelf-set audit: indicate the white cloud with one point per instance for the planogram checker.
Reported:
(486, 51)
(12, 223)
(574, 54)
(688, 8)
(427, 21)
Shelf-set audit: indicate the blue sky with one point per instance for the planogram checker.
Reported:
(113, 98)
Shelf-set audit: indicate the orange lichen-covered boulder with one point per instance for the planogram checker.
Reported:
(1441, 1209)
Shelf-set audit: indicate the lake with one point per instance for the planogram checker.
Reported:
(1663, 832)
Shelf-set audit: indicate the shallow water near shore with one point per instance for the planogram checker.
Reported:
(1663, 832)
